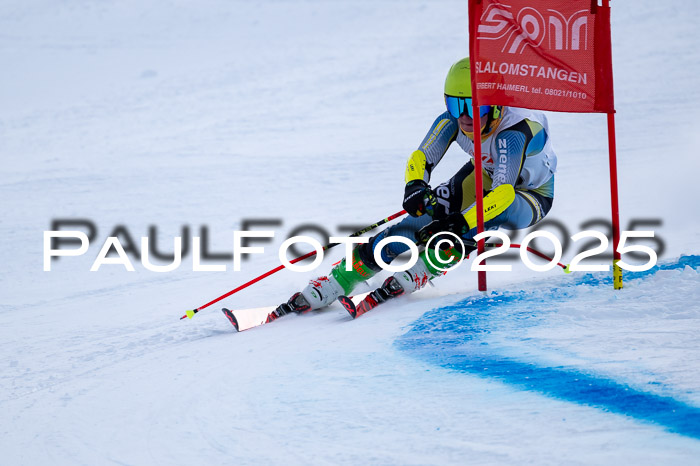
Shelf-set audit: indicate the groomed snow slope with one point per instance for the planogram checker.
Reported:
(170, 113)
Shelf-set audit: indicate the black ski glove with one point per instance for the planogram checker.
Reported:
(419, 199)
(453, 223)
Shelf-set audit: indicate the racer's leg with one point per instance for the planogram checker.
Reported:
(452, 195)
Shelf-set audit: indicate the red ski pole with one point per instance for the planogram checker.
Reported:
(565, 267)
(543, 256)
(192, 312)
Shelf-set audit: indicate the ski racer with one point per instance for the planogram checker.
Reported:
(518, 180)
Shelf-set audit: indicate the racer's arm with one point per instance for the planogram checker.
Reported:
(418, 197)
(423, 160)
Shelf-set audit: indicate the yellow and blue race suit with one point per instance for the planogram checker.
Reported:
(518, 175)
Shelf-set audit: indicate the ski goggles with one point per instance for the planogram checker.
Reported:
(458, 106)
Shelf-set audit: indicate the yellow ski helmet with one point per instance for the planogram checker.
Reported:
(458, 82)
(458, 97)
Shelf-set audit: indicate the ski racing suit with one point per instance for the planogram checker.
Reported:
(518, 179)
(517, 151)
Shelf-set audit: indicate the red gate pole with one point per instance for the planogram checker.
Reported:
(478, 182)
(617, 271)
(612, 149)
(476, 125)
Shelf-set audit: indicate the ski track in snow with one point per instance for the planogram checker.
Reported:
(460, 337)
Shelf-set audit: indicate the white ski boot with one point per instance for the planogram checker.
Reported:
(322, 291)
(414, 278)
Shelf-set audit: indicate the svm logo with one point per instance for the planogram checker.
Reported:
(528, 26)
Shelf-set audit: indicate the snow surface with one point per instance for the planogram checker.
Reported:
(174, 113)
